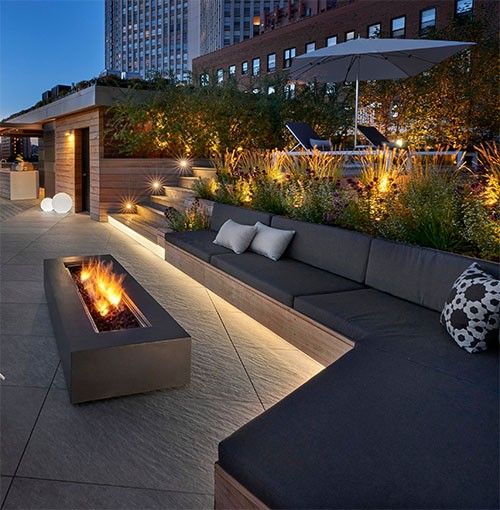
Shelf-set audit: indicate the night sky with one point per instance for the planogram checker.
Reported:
(44, 43)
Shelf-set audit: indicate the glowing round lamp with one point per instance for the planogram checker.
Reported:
(62, 203)
(46, 205)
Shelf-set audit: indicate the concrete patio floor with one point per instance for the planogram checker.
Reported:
(150, 451)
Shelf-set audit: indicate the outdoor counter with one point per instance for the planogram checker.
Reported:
(18, 185)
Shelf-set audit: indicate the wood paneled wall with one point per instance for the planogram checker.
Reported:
(65, 139)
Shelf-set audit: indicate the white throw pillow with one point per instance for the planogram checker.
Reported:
(271, 242)
(235, 236)
(321, 145)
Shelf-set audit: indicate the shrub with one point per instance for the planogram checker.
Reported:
(205, 188)
(195, 218)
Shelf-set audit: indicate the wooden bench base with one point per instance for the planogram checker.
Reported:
(231, 495)
(321, 343)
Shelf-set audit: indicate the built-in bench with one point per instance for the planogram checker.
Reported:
(406, 419)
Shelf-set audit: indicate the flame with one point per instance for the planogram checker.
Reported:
(102, 285)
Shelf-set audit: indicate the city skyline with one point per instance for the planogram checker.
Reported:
(62, 41)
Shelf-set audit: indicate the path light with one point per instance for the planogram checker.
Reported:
(62, 203)
(184, 164)
(155, 183)
(46, 205)
(399, 142)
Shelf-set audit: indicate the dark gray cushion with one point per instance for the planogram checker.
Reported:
(382, 321)
(199, 243)
(333, 249)
(372, 431)
(421, 275)
(281, 280)
(223, 212)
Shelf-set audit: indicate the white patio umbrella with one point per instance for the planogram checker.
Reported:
(372, 59)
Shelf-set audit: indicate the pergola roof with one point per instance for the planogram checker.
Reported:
(20, 129)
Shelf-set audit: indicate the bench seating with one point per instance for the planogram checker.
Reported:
(406, 419)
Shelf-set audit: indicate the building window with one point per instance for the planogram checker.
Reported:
(350, 35)
(288, 54)
(244, 67)
(331, 41)
(256, 66)
(271, 89)
(310, 47)
(463, 6)
(271, 62)
(290, 90)
(220, 75)
(204, 80)
(374, 31)
(231, 70)
(398, 26)
(427, 20)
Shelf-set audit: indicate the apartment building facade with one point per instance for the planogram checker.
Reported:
(273, 50)
(143, 36)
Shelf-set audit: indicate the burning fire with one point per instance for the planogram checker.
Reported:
(102, 285)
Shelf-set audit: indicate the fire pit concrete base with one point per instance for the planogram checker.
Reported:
(99, 365)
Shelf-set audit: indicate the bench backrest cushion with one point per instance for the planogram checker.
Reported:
(333, 249)
(223, 212)
(420, 275)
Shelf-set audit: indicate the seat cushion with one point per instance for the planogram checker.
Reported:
(372, 431)
(281, 280)
(223, 212)
(420, 275)
(394, 325)
(333, 249)
(199, 243)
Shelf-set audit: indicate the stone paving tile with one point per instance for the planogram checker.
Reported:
(4, 487)
(32, 494)
(290, 369)
(28, 360)
(22, 292)
(21, 272)
(19, 409)
(158, 440)
(25, 319)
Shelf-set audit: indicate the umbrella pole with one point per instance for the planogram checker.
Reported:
(356, 114)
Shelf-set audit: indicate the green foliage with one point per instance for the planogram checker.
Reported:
(205, 188)
(195, 218)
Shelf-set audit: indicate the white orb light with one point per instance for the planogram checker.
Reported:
(62, 203)
(46, 205)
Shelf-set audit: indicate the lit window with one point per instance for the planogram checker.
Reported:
(231, 70)
(464, 6)
(427, 19)
(398, 26)
(256, 66)
(288, 54)
(374, 31)
(271, 62)
(220, 75)
(331, 41)
(310, 47)
(244, 67)
(271, 89)
(350, 35)
(204, 80)
(290, 90)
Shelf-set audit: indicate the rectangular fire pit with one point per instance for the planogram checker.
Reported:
(107, 352)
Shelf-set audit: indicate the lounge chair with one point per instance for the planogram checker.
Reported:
(375, 137)
(307, 138)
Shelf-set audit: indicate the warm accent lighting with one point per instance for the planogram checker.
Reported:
(62, 203)
(184, 164)
(383, 184)
(399, 142)
(156, 185)
(46, 205)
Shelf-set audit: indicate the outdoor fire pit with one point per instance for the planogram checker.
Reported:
(113, 338)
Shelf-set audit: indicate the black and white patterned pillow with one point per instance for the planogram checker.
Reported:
(471, 312)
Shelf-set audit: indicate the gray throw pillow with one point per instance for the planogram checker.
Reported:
(271, 242)
(235, 236)
(322, 145)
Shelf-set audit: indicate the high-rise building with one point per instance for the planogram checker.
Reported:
(13, 146)
(226, 22)
(151, 35)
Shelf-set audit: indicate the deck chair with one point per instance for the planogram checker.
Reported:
(375, 137)
(306, 137)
